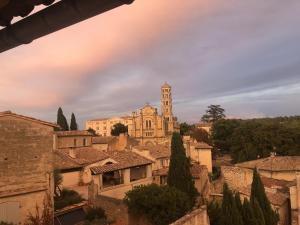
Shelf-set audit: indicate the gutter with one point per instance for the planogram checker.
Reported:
(53, 18)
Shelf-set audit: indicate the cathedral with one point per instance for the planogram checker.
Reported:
(146, 124)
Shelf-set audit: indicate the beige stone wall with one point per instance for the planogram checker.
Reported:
(73, 141)
(202, 156)
(196, 217)
(25, 161)
(236, 177)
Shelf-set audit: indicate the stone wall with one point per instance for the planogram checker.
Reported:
(197, 217)
(26, 173)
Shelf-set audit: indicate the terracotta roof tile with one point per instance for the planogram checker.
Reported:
(274, 163)
(156, 151)
(103, 140)
(124, 159)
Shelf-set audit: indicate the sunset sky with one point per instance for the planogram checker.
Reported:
(243, 55)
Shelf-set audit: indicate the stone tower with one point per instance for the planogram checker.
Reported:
(166, 107)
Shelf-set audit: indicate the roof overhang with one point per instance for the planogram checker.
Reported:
(53, 18)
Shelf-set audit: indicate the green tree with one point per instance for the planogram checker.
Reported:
(250, 215)
(230, 213)
(258, 213)
(61, 120)
(201, 135)
(213, 114)
(179, 175)
(92, 131)
(214, 212)
(118, 129)
(186, 129)
(258, 193)
(73, 125)
(161, 205)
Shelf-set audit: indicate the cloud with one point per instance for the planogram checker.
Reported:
(210, 51)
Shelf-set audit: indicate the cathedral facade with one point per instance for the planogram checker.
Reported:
(146, 124)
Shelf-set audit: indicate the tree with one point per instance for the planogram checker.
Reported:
(214, 212)
(160, 205)
(213, 114)
(92, 131)
(118, 129)
(179, 175)
(258, 213)
(61, 120)
(252, 214)
(58, 179)
(230, 213)
(186, 129)
(258, 194)
(73, 125)
(201, 135)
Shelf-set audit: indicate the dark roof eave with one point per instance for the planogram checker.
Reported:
(121, 168)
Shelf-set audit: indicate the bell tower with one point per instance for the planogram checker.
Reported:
(166, 106)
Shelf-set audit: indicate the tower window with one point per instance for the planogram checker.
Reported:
(167, 103)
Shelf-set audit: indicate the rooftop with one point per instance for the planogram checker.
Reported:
(9, 113)
(124, 159)
(202, 145)
(156, 151)
(83, 156)
(274, 163)
(73, 133)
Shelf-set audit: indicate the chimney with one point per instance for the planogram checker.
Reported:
(72, 153)
(122, 142)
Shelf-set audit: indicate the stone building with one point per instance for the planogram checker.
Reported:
(26, 171)
(199, 152)
(279, 175)
(126, 171)
(146, 125)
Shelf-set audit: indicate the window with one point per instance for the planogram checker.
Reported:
(112, 178)
(84, 142)
(137, 173)
(167, 103)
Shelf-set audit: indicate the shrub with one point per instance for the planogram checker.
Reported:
(160, 205)
(95, 213)
(67, 197)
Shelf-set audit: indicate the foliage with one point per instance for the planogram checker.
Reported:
(67, 197)
(179, 175)
(258, 194)
(5, 223)
(118, 129)
(230, 213)
(186, 129)
(214, 213)
(161, 205)
(201, 135)
(57, 181)
(257, 138)
(92, 131)
(95, 213)
(216, 173)
(252, 214)
(73, 124)
(61, 120)
(41, 218)
(213, 114)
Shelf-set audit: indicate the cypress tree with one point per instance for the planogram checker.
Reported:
(230, 213)
(73, 125)
(179, 175)
(258, 213)
(238, 202)
(248, 214)
(258, 193)
(61, 120)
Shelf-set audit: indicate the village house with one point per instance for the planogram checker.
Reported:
(26, 169)
(122, 142)
(160, 155)
(116, 177)
(279, 175)
(199, 152)
(205, 126)
(74, 156)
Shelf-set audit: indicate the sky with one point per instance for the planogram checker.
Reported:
(243, 55)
